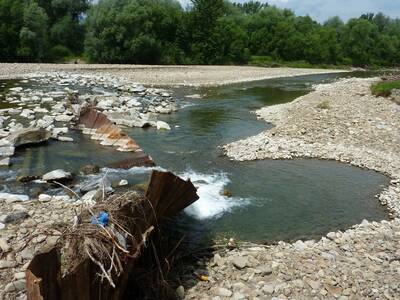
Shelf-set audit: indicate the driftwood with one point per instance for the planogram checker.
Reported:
(99, 127)
(90, 278)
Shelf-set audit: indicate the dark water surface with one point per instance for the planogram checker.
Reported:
(271, 200)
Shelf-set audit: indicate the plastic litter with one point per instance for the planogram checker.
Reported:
(100, 219)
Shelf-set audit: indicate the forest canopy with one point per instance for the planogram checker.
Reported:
(206, 32)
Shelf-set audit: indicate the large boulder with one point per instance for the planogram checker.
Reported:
(28, 136)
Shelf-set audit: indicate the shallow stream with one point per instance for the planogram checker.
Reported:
(268, 200)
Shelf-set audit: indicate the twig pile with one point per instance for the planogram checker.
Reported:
(108, 246)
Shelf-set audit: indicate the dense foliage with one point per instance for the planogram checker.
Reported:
(41, 30)
(207, 32)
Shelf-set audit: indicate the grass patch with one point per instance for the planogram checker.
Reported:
(385, 88)
(324, 105)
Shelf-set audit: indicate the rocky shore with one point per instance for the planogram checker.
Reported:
(360, 263)
(43, 106)
(339, 121)
(195, 76)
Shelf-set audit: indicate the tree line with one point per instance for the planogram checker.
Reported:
(206, 32)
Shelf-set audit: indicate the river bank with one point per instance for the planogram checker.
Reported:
(286, 270)
(340, 121)
(165, 75)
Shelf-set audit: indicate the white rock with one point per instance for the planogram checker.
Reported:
(4, 142)
(7, 151)
(223, 292)
(63, 118)
(16, 89)
(123, 182)
(13, 197)
(65, 139)
(4, 246)
(40, 110)
(90, 197)
(15, 286)
(44, 198)
(6, 264)
(47, 99)
(56, 175)
(26, 113)
(5, 162)
(62, 198)
(59, 130)
(161, 125)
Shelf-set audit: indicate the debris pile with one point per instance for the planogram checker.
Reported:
(94, 256)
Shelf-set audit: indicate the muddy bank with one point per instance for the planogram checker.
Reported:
(166, 75)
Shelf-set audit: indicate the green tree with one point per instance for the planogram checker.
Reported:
(134, 31)
(203, 22)
(33, 34)
(359, 40)
(251, 7)
(11, 12)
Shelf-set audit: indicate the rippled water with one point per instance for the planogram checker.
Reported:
(271, 200)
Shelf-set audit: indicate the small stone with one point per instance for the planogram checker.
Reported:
(268, 288)
(65, 139)
(264, 270)
(6, 264)
(239, 262)
(218, 260)
(223, 292)
(123, 182)
(19, 275)
(4, 246)
(299, 245)
(331, 235)
(315, 285)
(51, 241)
(238, 296)
(45, 198)
(10, 198)
(19, 207)
(27, 253)
(14, 217)
(90, 169)
(180, 292)
(57, 175)
(15, 286)
(161, 125)
(5, 162)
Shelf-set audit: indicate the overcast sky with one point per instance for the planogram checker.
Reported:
(323, 9)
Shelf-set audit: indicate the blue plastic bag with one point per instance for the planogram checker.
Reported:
(100, 219)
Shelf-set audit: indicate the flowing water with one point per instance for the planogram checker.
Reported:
(269, 201)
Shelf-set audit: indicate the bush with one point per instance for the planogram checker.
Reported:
(324, 105)
(384, 88)
(60, 53)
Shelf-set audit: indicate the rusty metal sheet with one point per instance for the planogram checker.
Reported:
(100, 128)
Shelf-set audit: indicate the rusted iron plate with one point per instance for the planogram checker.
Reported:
(100, 128)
